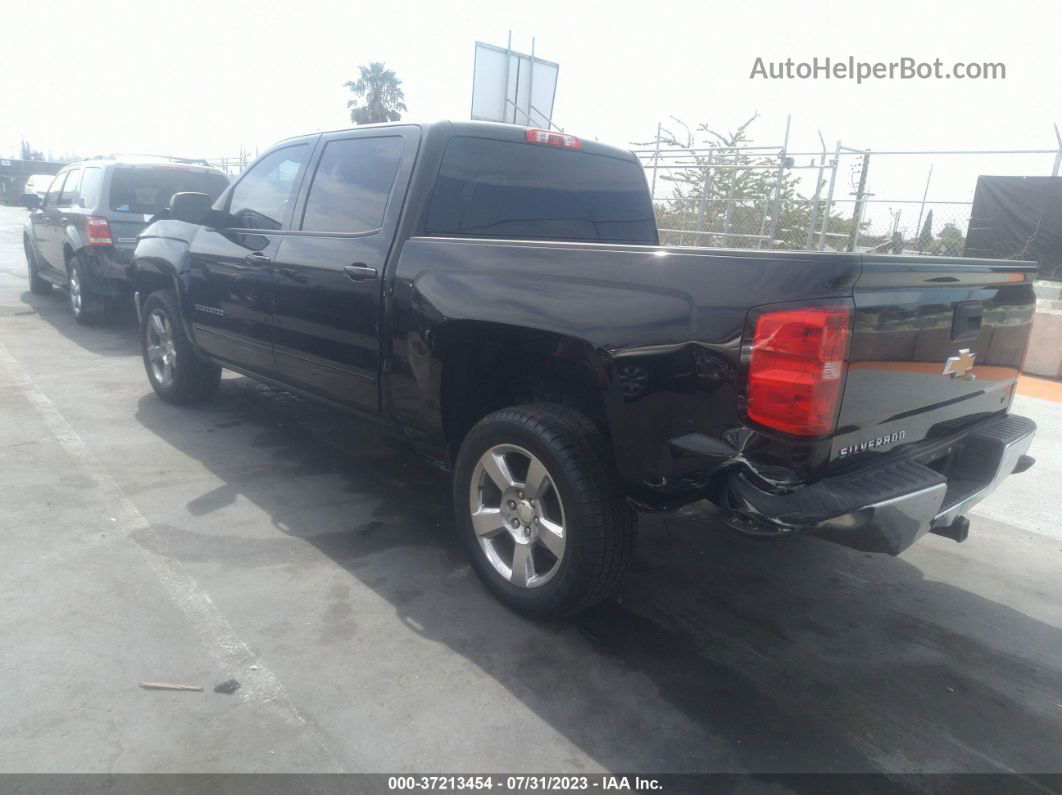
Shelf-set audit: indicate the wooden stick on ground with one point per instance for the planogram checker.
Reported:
(167, 686)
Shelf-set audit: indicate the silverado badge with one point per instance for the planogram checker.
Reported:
(961, 365)
(870, 444)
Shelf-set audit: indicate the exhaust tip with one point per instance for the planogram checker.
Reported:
(1024, 463)
(956, 531)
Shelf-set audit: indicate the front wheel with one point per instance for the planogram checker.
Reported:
(540, 511)
(176, 374)
(38, 285)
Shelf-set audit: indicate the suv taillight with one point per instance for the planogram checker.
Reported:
(796, 368)
(98, 231)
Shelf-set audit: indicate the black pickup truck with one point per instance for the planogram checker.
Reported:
(500, 295)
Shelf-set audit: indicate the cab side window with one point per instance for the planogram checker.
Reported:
(261, 198)
(352, 184)
(71, 189)
(51, 199)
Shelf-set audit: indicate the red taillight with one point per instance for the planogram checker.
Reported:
(549, 138)
(98, 231)
(797, 367)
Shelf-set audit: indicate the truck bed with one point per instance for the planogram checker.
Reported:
(666, 324)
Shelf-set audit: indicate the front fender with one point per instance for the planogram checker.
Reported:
(160, 261)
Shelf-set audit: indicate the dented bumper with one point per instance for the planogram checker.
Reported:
(887, 507)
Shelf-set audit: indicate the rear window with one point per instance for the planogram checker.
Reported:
(148, 190)
(505, 189)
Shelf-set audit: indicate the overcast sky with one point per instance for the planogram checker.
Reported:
(203, 78)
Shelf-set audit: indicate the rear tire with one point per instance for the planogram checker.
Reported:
(38, 286)
(85, 305)
(176, 373)
(549, 551)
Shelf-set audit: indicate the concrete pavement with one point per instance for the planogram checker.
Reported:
(311, 557)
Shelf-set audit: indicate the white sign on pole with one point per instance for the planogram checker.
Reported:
(511, 87)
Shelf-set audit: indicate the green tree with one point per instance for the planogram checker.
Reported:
(925, 237)
(731, 193)
(951, 241)
(378, 95)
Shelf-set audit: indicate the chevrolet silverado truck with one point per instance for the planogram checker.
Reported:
(499, 295)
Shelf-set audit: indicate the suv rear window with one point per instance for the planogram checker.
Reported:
(489, 188)
(148, 189)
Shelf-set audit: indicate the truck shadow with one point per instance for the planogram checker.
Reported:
(719, 654)
(112, 334)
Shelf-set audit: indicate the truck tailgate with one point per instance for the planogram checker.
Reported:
(935, 345)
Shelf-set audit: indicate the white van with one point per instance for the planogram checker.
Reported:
(38, 183)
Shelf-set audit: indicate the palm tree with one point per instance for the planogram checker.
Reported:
(379, 95)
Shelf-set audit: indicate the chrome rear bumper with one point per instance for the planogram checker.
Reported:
(886, 508)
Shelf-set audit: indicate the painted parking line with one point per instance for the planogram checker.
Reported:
(259, 683)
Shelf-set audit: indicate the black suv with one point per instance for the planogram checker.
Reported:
(82, 234)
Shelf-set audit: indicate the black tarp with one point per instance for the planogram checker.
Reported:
(1018, 218)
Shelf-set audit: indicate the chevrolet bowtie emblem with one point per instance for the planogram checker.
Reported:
(961, 365)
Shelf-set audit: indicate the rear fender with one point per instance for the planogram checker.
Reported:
(571, 320)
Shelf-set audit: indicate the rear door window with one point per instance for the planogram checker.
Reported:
(352, 184)
(508, 189)
(148, 189)
(261, 198)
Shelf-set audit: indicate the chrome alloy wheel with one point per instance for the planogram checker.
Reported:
(161, 351)
(517, 515)
(75, 291)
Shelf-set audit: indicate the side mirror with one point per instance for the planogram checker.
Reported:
(31, 201)
(193, 208)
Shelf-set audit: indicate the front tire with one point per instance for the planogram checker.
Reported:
(176, 374)
(540, 511)
(37, 285)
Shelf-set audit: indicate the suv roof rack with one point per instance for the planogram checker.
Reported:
(172, 158)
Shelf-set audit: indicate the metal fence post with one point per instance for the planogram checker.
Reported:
(705, 190)
(834, 166)
(861, 192)
(813, 215)
(656, 163)
(729, 211)
(922, 208)
(1058, 157)
(776, 200)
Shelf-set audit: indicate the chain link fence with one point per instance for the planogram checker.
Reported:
(234, 165)
(839, 199)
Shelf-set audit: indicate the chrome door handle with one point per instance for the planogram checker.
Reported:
(257, 259)
(359, 271)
